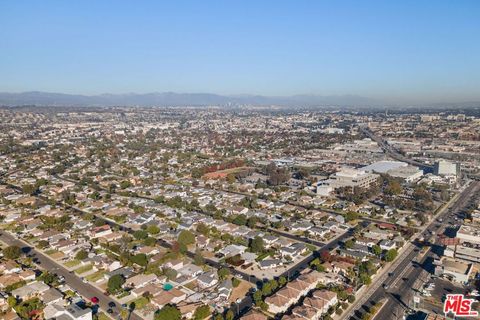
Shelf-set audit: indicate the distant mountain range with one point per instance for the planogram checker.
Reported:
(162, 99)
(177, 99)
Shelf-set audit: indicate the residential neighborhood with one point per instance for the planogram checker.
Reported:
(198, 214)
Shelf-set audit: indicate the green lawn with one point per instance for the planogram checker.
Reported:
(103, 316)
(84, 269)
(71, 263)
(262, 256)
(50, 252)
(141, 302)
(95, 276)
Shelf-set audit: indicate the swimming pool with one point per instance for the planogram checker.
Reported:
(167, 287)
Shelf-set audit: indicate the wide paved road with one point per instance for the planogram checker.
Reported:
(403, 282)
(44, 262)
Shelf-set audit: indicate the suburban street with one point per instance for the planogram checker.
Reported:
(84, 289)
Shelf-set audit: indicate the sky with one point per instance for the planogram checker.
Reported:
(397, 51)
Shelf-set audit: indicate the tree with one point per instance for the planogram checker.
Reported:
(349, 243)
(257, 296)
(140, 259)
(203, 229)
(49, 278)
(268, 287)
(12, 301)
(276, 176)
(351, 216)
(153, 229)
(365, 278)
(393, 188)
(125, 184)
(29, 189)
(27, 307)
(391, 255)
(229, 315)
(140, 234)
(376, 250)
(186, 237)
(231, 178)
(115, 283)
(12, 252)
(150, 241)
(223, 273)
(235, 282)
(201, 312)
(171, 274)
(282, 281)
(256, 245)
(252, 222)
(42, 244)
(315, 263)
(168, 312)
(198, 258)
(325, 256)
(240, 220)
(81, 255)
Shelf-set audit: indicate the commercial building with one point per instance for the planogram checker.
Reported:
(454, 270)
(396, 169)
(469, 234)
(384, 166)
(347, 177)
(467, 254)
(446, 168)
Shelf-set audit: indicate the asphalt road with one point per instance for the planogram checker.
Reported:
(400, 157)
(403, 283)
(390, 150)
(84, 289)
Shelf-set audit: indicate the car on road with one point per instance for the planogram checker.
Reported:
(111, 304)
(94, 300)
(110, 311)
(474, 293)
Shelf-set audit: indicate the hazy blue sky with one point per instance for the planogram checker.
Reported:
(399, 50)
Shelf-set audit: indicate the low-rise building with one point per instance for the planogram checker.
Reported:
(454, 270)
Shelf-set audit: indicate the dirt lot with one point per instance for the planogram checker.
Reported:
(240, 291)
(222, 174)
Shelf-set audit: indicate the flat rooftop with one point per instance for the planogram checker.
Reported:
(384, 166)
(455, 266)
